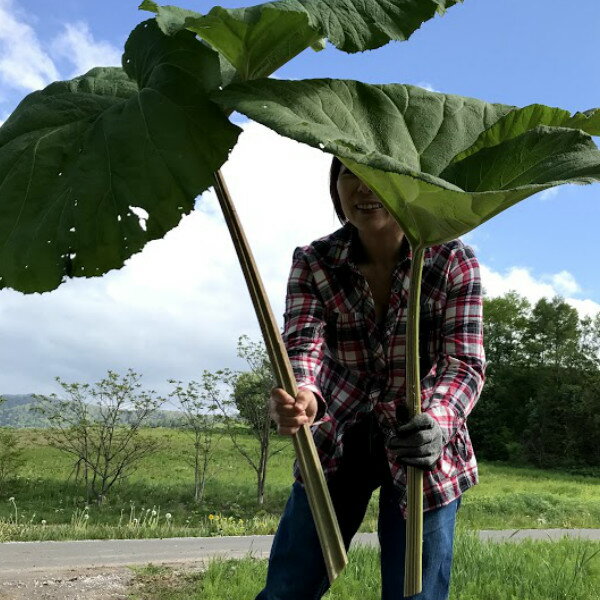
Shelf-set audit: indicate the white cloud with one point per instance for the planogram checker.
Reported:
(565, 283)
(24, 64)
(77, 45)
(521, 280)
(548, 194)
(426, 86)
(27, 66)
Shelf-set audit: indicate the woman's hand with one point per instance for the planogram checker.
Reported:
(289, 414)
(419, 442)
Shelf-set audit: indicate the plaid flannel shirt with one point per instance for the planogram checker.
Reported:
(355, 365)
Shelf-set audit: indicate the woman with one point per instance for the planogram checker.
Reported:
(345, 324)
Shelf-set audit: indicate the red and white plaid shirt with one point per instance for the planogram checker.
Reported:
(356, 366)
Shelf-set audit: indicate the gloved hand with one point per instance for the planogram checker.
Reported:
(419, 442)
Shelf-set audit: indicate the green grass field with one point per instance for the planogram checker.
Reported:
(563, 570)
(507, 497)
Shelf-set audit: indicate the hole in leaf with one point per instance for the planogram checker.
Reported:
(72, 230)
(141, 214)
(119, 218)
(321, 145)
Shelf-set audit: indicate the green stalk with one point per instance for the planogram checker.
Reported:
(330, 537)
(413, 566)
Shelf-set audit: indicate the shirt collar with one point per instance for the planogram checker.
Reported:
(337, 249)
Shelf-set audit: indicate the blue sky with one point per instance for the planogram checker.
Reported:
(515, 52)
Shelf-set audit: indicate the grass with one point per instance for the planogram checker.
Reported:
(568, 569)
(506, 498)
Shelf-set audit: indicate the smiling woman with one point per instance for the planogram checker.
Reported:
(345, 333)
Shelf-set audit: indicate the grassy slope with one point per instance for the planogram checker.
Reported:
(506, 497)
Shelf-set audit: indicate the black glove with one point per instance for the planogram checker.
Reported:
(418, 443)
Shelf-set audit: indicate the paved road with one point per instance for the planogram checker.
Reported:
(16, 557)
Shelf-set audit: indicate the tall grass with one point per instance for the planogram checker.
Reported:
(564, 570)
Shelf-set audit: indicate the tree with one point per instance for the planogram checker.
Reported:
(541, 402)
(249, 397)
(87, 423)
(506, 318)
(252, 388)
(198, 411)
(553, 335)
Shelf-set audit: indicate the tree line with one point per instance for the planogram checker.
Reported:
(541, 401)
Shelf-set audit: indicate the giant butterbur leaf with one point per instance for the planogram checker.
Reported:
(82, 162)
(404, 141)
(257, 40)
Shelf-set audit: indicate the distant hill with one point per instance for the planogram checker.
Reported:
(16, 411)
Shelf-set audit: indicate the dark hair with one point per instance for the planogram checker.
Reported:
(334, 172)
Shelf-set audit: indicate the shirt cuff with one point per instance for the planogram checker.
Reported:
(446, 418)
(321, 404)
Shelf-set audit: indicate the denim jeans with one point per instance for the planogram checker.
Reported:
(296, 567)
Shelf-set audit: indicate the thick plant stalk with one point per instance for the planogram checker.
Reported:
(330, 537)
(413, 566)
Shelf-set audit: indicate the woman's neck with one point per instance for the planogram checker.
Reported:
(380, 249)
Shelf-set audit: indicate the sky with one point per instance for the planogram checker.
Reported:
(179, 306)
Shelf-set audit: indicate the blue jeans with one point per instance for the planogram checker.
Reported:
(296, 567)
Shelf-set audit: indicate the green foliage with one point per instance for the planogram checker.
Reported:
(408, 144)
(79, 159)
(252, 388)
(257, 40)
(541, 400)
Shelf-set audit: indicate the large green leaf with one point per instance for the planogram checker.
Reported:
(403, 142)
(257, 40)
(79, 159)
(528, 117)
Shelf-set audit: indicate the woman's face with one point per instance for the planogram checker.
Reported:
(360, 205)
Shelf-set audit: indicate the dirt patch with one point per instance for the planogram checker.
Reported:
(79, 584)
(107, 583)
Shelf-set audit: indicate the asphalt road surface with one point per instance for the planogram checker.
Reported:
(17, 557)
